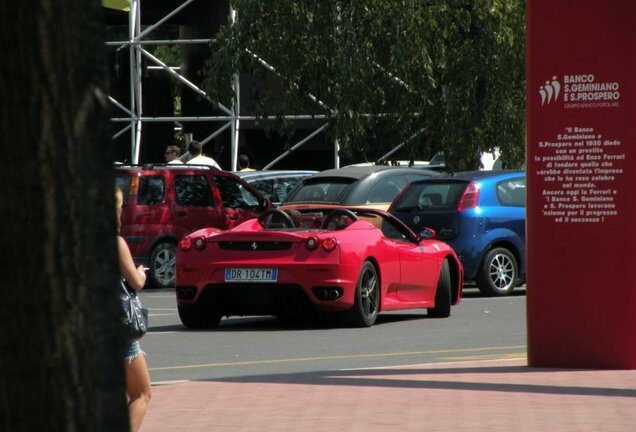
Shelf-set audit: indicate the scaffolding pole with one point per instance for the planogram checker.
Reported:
(232, 118)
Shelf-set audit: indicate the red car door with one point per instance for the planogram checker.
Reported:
(238, 202)
(418, 266)
(194, 205)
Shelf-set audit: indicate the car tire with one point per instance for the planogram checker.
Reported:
(498, 273)
(442, 307)
(366, 298)
(162, 265)
(198, 317)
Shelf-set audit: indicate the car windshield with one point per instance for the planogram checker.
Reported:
(322, 190)
(431, 196)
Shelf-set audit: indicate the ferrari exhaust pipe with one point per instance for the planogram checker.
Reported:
(327, 293)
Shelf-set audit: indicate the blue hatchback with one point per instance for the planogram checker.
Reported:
(481, 215)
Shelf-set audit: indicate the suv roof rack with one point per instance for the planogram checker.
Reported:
(163, 165)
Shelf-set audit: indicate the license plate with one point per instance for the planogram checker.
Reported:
(233, 274)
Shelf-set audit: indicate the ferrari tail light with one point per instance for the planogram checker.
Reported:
(329, 244)
(469, 198)
(185, 244)
(312, 243)
(199, 243)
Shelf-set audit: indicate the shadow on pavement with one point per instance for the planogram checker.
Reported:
(429, 378)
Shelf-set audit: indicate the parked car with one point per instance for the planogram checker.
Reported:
(482, 215)
(488, 161)
(404, 163)
(162, 203)
(355, 261)
(274, 184)
(368, 186)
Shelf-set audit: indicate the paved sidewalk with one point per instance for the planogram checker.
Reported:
(499, 395)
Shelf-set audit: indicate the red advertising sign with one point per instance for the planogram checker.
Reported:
(581, 213)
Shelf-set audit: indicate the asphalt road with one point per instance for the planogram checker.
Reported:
(479, 328)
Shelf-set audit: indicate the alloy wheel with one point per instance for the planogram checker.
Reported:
(502, 272)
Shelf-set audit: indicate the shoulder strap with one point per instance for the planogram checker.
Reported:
(122, 285)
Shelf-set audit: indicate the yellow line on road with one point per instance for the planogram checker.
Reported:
(344, 357)
(486, 357)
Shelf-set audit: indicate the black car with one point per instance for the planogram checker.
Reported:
(368, 186)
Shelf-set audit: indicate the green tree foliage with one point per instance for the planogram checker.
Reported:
(450, 71)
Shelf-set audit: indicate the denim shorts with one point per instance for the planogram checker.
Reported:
(133, 350)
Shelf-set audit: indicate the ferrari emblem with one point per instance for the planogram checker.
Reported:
(254, 246)
(416, 220)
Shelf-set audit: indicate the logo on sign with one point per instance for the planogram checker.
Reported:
(549, 91)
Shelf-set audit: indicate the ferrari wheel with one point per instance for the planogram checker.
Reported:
(367, 297)
(442, 307)
(197, 317)
(498, 273)
(162, 265)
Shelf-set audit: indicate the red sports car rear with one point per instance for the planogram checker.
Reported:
(357, 262)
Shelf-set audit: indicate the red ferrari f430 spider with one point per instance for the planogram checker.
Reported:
(353, 261)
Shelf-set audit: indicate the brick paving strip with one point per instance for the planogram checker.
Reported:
(499, 395)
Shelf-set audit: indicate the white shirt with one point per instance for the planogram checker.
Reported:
(204, 160)
(175, 161)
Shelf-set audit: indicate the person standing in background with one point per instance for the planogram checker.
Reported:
(196, 150)
(244, 163)
(172, 155)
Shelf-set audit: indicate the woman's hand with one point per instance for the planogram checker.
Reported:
(142, 272)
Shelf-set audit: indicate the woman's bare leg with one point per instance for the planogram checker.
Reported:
(138, 389)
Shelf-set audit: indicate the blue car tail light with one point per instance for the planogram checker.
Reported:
(469, 198)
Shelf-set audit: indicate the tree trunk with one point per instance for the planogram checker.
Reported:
(61, 365)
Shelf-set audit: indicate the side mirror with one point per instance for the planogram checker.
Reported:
(427, 234)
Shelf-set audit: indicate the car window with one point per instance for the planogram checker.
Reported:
(412, 177)
(284, 185)
(387, 189)
(266, 187)
(152, 190)
(234, 195)
(512, 192)
(327, 190)
(431, 196)
(277, 188)
(193, 190)
(393, 231)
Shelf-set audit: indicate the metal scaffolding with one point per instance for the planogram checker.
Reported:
(132, 117)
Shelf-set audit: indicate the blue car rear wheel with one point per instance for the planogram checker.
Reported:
(498, 273)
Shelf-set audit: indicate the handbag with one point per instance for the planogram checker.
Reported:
(134, 316)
